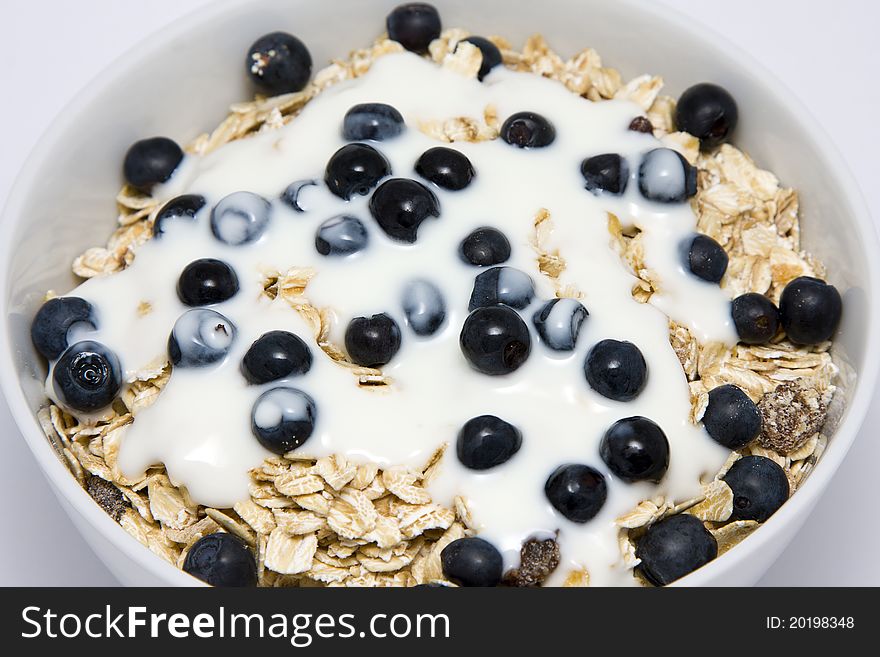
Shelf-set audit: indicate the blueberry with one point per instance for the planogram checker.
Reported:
(87, 376)
(446, 168)
(578, 492)
(559, 322)
(506, 285)
(704, 258)
(375, 121)
(423, 307)
(495, 340)
(372, 341)
(401, 205)
(809, 310)
(54, 320)
(431, 585)
(755, 317)
(484, 247)
(666, 177)
(222, 559)
(472, 561)
(616, 370)
(674, 547)
(731, 418)
(180, 207)
(355, 169)
(279, 63)
(341, 236)
(276, 355)
(487, 441)
(759, 488)
(240, 218)
(291, 195)
(413, 25)
(151, 161)
(489, 51)
(206, 281)
(528, 130)
(707, 112)
(635, 449)
(200, 337)
(283, 418)
(605, 174)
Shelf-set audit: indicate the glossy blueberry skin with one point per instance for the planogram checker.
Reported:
(291, 195)
(559, 322)
(708, 112)
(705, 258)
(674, 547)
(200, 337)
(341, 236)
(149, 162)
(355, 169)
(53, 322)
(472, 561)
(576, 491)
(731, 418)
(222, 560)
(490, 52)
(635, 449)
(400, 205)
(206, 281)
(755, 317)
(616, 370)
(485, 247)
(276, 355)
(240, 218)
(495, 340)
(446, 168)
(605, 174)
(87, 376)
(413, 25)
(759, 487)
(372, 121)
(486, 442)
(283, 418)
(528, 130)
(279, 63)
(424, 307)
(506, 285)
(181, 207)
(372, 341)
(666, 177)
(809, 310)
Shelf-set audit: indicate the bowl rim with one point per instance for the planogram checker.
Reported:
(792, 512)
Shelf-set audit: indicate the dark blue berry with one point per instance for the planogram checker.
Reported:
(431, 585)
(490, 52)
(279, 63)
(276, 355)
(755, 317)
(731, 418)
(222, 559)
(87, 376)
(708, 112)
(413, 25)
(528, 130)
(495, 340)
(559, 323)
(206, 281)
(705, 258)
(635, 449)
(759, 487)
(181, 207)
(674, 547)
(506, 285)
(151, 161)
(487, 441)
(809, 310)
(240, 218)
(291, 195)
(54, 320)
(372, 341)
(485, 247)
(666, 177)
(341, 236)
(283, 418)
(424, 307)
(577, 491)
(616, 370)
(355, 169)
(605, 174)
(374, 121)
(472, 561)
(200, 337)
(400, 205)
(446, 168)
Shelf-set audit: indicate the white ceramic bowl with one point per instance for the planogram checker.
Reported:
(179, 83)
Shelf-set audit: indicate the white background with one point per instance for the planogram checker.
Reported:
(828, 57)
